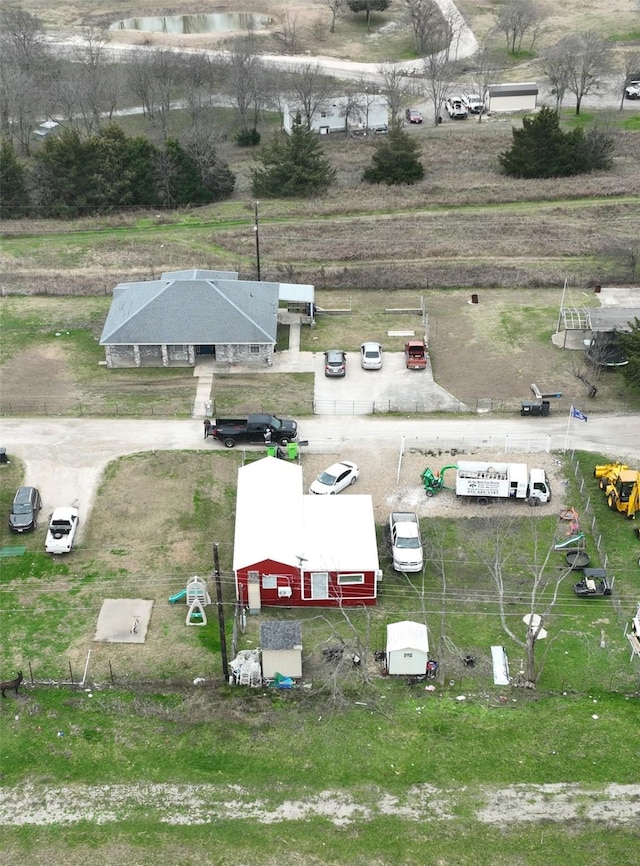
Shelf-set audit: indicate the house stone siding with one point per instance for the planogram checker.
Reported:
(243, 354)
(185, 356)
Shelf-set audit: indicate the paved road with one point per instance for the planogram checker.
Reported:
(66, 457)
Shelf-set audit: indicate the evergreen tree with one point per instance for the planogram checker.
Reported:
(630, 343)
(192, 177)
(368, 6)
(183, 184)
(14, 198)
(542, 149)
(292, 166)
(106, 171)
(64, 177)
(125, 169)
(395, 160)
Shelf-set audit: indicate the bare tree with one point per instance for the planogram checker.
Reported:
(346, 656)
(556, 68)
(502, 545)
(396, 87)
(588, 61)
(23, 74)
(310, 90)
(289, 30)
(101, 87)
(276, 84)
(518, 19)
(366, 96)
(439, 64)
(87, 90)
(243, 77)
(336, 7)
(201, 74)
(629, 69)
(424, 16)
(485, 63)
(21, 36)
(139, 80)
(22, 103)
(166, 76)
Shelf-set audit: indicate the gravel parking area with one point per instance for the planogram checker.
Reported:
(396, 484)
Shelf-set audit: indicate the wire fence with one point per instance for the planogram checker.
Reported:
(58, 409)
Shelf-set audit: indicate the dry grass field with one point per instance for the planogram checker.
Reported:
(465, 224)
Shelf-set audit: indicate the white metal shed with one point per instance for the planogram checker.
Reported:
(407, 648)
(522, 96)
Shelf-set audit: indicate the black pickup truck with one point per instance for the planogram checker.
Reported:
(255, 428)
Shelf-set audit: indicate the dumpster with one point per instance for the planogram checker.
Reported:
(292, 451)
(272, 450)
(535, 407)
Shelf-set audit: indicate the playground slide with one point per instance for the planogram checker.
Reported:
(178, 596)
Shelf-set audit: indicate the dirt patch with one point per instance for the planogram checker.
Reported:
(496, 348)
(24, 374)
(41, 805)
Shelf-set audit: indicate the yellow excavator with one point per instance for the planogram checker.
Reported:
(608, 473)
(624, 493)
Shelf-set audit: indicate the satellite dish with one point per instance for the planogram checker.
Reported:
(533, 620)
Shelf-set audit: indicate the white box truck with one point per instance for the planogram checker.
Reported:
(486, 481)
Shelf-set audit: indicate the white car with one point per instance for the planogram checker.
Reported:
(456, 109)
(63, 527)
(336, 478)
(632, 90)
(472, 102)
(406, 545)
(371, 356)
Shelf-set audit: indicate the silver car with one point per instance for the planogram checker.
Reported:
(371, 356)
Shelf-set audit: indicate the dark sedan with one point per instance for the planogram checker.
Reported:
(335, 362)
(23, 516)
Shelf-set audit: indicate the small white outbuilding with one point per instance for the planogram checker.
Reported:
(407, 648)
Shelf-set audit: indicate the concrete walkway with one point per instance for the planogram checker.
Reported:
(203, 371)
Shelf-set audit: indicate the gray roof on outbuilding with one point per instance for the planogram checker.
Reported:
(193, 308)
(613, 318)
(280, 635)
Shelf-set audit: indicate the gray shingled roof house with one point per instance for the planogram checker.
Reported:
(281, 645)
(171, 321)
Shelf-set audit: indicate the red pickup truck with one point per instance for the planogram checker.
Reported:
(415, 354)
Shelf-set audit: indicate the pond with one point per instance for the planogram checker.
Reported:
(215, 22)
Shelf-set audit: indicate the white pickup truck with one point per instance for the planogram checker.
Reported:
(62, 531)
(406, 545)
(456, 109)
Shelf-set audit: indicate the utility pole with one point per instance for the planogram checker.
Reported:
(223, 637)
(257, 231)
